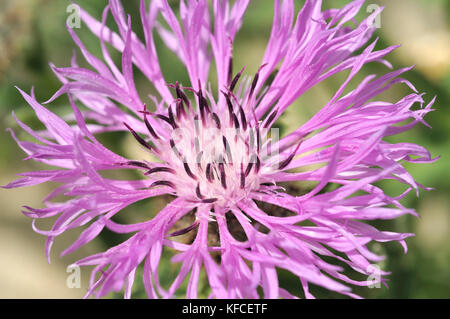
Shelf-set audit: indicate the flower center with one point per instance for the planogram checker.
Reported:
(214, 158)
(211, 154)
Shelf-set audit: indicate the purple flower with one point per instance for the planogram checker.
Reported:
(217, 156)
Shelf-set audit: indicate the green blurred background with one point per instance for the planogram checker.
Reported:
(32, 34)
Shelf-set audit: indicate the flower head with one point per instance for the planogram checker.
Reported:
(218, 155)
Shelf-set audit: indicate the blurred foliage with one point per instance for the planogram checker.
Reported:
(32, 35)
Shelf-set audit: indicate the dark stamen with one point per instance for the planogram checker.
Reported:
(139, 139)
(209, 200)
(267, 184)
(188, 170)
(248, 169)
(207, 108)
(135, 163)
(180, 109)
(227, 148)
(208, 173)
(229, 105)
(243, 118)
(174, 148)
(270, 118)
(222, 175)
(236, 79)
(147, 123)
(163, 183)
(197, 191)
(180, 94)
(255, 80)
(172, 118)
(159, 169)
(230, 68)
(258, 164)
(236, 121)
(216, 120)
(167, 119)
(202, 113)
(258, 139)
(289, 159)
(203, 104)
(184, 230)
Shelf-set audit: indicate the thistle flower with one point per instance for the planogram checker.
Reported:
(217, 158)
